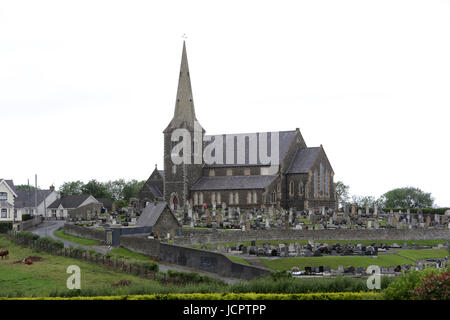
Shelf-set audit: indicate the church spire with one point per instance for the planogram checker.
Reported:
(184, 115)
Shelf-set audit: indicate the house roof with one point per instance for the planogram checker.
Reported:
(303, 160)
(233, 183)
(107, 203)
(151, 214)
(10, 184)
(285, 139)
(26, 199)
(69, 202)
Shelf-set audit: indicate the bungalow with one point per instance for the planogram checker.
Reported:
(26, 201)
(61, 208)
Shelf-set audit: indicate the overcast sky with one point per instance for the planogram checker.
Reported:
(87, 87)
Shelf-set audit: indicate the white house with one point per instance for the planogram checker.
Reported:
(26, 201)
(60, 208)
(8, 194)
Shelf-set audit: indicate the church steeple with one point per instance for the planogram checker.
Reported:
(184, 115)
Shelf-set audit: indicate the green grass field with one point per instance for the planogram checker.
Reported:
(87, 242)
(238, 259)
(45, 276)
(403, 256)
(128, 254)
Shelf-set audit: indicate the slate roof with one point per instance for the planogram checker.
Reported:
(285, 140)
(154, 188)
(10, 183)
(69, 202)
(151, 214)
(303, 160)
(233, 182)
(25, 198)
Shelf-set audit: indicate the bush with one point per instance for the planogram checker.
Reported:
(5, 227)
(74, 295)
(403, 287)
(433, 287)
(26, 217)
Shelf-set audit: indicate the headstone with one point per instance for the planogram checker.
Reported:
(367, 210)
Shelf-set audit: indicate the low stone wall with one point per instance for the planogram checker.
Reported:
(84, 232)
(193, 258)
(25, 225)
(209, 261)
(193, 238)
(142, 245)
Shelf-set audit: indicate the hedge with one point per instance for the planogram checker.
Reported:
(5, 227)
(228, 296)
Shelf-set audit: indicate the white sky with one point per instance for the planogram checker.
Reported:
(87, 87)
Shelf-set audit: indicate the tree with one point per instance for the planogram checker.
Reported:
(115, 188)
(96, 189)
(131, 189)
(24, 187)
(366, 201)
(72, 188)
(342, 192)
(408, 197)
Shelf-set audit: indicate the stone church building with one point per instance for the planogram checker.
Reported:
(302, 178)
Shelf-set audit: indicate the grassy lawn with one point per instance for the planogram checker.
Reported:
(43, 277)
(128, 254)
(334, 262)
(403, 256)
(238, 259)
(87, 242)
(423, 254)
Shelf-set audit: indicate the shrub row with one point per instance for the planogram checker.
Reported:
(227, 296)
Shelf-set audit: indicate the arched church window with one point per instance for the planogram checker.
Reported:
(249, 197)
(231, 198)
(213, 198)
(255, 199)
(236, 198)
(291, 188)
(321, 179)
(316, 178)
(201, 198)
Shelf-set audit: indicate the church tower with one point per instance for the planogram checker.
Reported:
(178, 178)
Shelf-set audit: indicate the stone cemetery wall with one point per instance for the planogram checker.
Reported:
(337, 234)
(84, 232)
(142, 245)
(192, 258)
(25, 225)
(209, 261)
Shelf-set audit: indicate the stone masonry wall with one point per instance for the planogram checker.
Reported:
(141, 245)
(193, 238)
(193, 258)
(84, 232)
